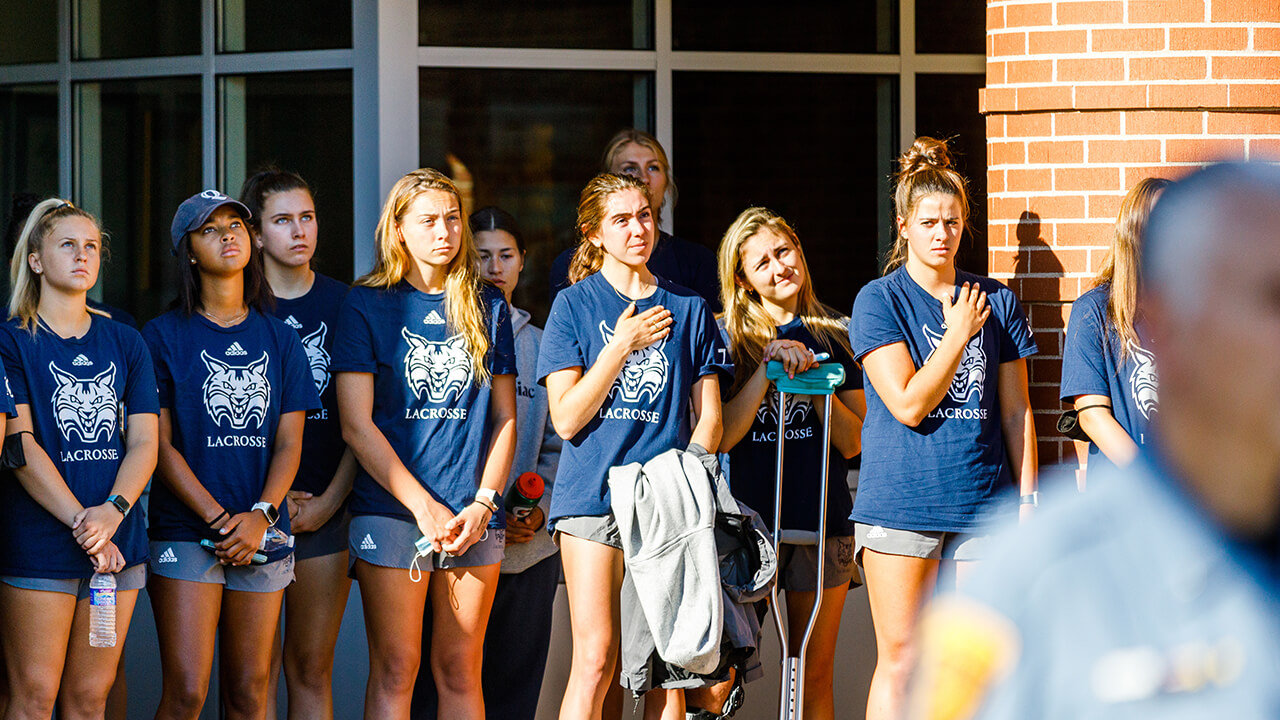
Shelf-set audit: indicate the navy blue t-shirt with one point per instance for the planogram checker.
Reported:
(1092, 365)
(684, 263)
(753, 462)
(226, 389)
(646, 412)
(426, 400)
(315, 317)
(952, 469)
(80, 392)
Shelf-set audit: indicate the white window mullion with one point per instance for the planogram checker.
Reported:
(663, 90)
(208, 95)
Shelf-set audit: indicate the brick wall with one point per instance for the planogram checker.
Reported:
(1083, 99)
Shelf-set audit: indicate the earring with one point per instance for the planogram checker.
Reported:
(193, 261)
(36, 271)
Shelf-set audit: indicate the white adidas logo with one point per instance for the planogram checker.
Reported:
(168, 556)
(81, 360)
(292, 322)
(235, 349)
(367, 543)
(433, 318)
(876, 532)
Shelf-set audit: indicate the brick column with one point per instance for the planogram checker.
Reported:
(1083, 99)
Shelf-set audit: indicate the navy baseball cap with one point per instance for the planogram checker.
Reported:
(195, 210)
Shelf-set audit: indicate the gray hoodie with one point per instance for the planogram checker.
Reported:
(537, 445)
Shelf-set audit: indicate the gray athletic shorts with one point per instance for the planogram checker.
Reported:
(328, 539)
(601, 529)
(389, 542)
(798, 565)
(133, 577)
(183, 560)
(919, 543)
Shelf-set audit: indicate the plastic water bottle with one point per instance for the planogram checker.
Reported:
(525, 494)
(102, 610)
(275, 539)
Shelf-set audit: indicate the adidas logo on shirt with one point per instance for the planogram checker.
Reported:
(876, 532)
(367, 543)
(235, 349)
(81, 360)
(168, 556)
(433, 318)
(292, 322)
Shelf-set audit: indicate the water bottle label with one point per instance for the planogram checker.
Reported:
(102, 597)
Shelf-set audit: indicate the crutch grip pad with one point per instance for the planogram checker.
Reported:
(821, 380)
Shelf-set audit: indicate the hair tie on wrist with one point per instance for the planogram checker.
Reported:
(216, 519)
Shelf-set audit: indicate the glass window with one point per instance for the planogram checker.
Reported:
(28, 32)
(590, 24)
(270, 25)
(947, 107)
(136, 28)
(138, 156)
(808, 26)
(299, 122)
(530, 141)
(29, 146)
(951, 26)
(819, 156)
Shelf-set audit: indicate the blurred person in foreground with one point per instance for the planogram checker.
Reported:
(1158, 595)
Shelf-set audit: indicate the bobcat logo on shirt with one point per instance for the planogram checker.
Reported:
(644, 373)
(317, 357)
(238, 394)
(971, 375)
(796, 411)
(1143, 383)
(85, 406)
(436, 369)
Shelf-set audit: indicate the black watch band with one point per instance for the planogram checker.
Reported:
(119, 503)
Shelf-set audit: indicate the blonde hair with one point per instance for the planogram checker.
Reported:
(464, 312)
(1122, 265)
(631, 135)
(748, 325)
(924, 169)
(588, 258)
(24, 298)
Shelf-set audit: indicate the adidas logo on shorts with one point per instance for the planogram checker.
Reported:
(367, 543)
(433, 318)
(81, 360)
(168, 556)
(235, 349)
(292, 322)
(876, 532)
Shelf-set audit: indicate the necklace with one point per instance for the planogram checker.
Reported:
(225, 323)
(644, 292)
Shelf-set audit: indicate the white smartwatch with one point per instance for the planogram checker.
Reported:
(267, 509)
(489, 498)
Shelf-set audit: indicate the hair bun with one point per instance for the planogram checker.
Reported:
(925, 152)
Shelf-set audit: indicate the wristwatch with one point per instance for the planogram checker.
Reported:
(1033, 499)
(267, 509)
(488, 497)
(119, 503)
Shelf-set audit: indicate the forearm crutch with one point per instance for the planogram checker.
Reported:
(821, 380)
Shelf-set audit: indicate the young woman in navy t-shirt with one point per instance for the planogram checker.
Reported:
(426, 388)
(78, 380)
(771, 313)
(1108, 368)
(625, 356)
(234, 389)
(284, 229)
(948, 437)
